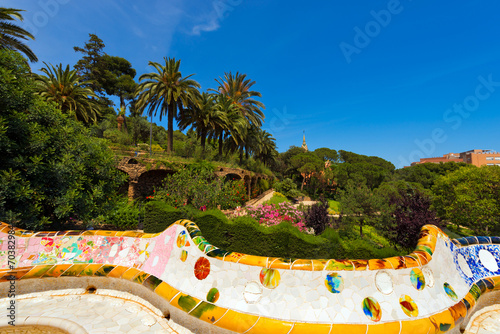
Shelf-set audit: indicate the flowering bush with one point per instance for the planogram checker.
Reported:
(270, 215)
(232, 194)
(200, 188)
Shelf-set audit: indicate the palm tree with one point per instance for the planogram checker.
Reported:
(265, 149)
(238, 88)
(200, 116)
(227, 121)
(65, 88)
(11, 35)
(168, 91)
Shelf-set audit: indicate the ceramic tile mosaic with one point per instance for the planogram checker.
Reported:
(428, 291)
(110, 312)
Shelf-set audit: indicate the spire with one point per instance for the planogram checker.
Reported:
(304, 145)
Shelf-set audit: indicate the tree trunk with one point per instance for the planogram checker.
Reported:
(247, 155)
(220, 146)
(360, 226)
(203, 139)
(170, 143)
(241, 155)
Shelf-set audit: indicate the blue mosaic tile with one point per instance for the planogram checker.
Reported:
(484, 240)
(471, 240)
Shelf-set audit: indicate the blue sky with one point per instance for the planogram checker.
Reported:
(396, 79)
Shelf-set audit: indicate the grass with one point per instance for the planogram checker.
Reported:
(334, 205)
(276, 200)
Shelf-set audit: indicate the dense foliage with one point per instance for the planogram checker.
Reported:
(411, 210)
(51, 168)
(470, 197)
(200, 188)
(317, 217)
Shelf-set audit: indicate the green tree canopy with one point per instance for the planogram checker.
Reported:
(51, 168)
(470, 196)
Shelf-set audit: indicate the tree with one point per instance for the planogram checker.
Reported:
(91, 67)
(69, 92)
(238, 88)
(118, 78)
(359, 203)
(308, 164)
(200, 116)
(166, 90)
(470, 196)
(12, 36)
(51, 168)
(327, 154)
(411, 210)
(226, 117)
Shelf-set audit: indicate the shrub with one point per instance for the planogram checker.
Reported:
(125, 216)
(270, 215)
(232, 195)
(317, 217)
(287, 187)
(159, 215)
(412, 210)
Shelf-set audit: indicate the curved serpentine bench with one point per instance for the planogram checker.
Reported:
(432, 290)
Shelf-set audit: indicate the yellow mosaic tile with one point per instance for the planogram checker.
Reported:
(397, 262)
(90, 269)
(37, 271)
(349, 329)
(130, 273)
(360, 264)
(268, 325)
(279, 263)
(385, 328)
(334, 265)
(305, 328)
(419, 326)
(104, 270)
(17, 273)
(75, 270)
(141, 277)
(208, 312)
(377, 264)
(166, 291)
(253, 260)
(57, 270)
(185, 302)
(237, 322)
(319, 265)
(302, 265)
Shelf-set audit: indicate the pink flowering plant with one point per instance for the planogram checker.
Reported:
(273, 214)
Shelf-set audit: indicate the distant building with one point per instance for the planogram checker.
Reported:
(472, 157)
(304, 145)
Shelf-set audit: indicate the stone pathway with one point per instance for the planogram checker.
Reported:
(75, 311)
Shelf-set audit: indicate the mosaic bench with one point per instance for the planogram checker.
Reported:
(432, 290)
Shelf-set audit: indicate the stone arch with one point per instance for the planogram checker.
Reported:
(147, 181)
(232, 177)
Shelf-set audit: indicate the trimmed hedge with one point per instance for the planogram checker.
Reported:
(245, 235)
(159, 215)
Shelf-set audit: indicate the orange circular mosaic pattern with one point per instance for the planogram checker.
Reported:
(201, 268)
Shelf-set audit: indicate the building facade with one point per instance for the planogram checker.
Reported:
(473, 157)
